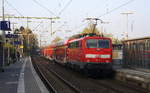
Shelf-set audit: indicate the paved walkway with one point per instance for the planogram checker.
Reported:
(21, 77)
(138, 77)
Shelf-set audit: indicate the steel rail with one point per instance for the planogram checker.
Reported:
(66, 82)
(44, 79)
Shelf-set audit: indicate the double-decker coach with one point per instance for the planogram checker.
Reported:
(60, 51)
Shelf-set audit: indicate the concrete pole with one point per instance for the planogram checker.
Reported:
(28, 39)
(27, 23)
(40, 41)
(3, 37)
(51, 26)
(8, 51)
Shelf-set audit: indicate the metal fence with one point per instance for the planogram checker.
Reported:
(136, 53)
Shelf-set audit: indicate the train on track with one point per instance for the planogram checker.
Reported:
(87, 53)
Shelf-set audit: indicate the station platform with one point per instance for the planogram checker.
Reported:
(21, 77)
(140, 77)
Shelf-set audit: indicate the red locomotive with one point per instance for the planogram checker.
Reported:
(87, 53)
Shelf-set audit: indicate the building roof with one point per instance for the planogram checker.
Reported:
(135, 39)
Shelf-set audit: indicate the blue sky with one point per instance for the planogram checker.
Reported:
(73, 17)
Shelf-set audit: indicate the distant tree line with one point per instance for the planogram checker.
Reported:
(89, 30)
(29, 39)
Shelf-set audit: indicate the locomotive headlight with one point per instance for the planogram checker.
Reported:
(90, 56)
(104, 56)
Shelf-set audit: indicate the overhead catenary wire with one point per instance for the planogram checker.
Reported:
(42, 6)
(59, 3)
(108, 12)
(65, 7)
(37, 25)
(10, 4)
(14, 8)
(76, 28)
(114, 9)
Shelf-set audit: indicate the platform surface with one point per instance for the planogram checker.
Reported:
(21, 77)
(136, 76)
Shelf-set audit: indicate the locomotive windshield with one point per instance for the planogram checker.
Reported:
(97, 43)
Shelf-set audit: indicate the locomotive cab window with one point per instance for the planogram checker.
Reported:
(74, 44)
(97, 43)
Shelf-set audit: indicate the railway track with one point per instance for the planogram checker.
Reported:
(76, 90)
(63, 80)
(52, 80)
(43, 77)
(118, 86)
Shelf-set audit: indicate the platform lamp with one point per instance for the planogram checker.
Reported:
(127, 14)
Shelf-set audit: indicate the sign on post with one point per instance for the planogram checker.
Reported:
(11, 36)
(17, 42)
(5, 25)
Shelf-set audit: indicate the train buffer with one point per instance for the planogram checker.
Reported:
(140, 77)
(21, 77)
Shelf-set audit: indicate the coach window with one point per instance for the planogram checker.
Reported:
(70, 45)
(77, 44)
(73, 44)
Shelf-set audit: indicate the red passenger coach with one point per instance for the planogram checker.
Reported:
(48, 52)
(60, 51)
(90, 53)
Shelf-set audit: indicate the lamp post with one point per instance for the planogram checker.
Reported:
(127, 14)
